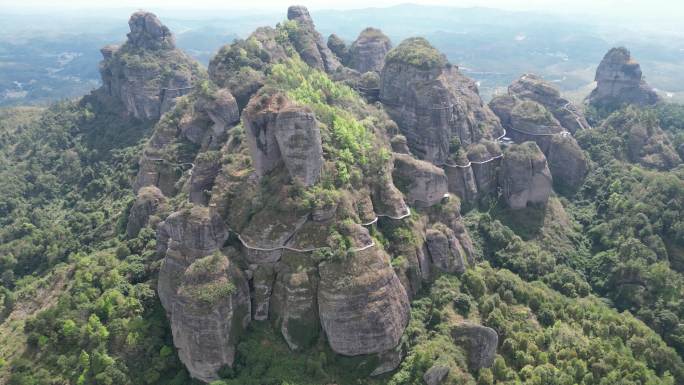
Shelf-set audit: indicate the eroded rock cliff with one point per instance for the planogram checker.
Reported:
(147, 73)
(619, 81)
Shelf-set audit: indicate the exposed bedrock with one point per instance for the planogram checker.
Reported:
(278, 132)
(619, 81)
(432, 102)
(205, 295)
(535, 88)
(309, 43)
(525, 177)
(367, 52)
(147, 73)
(423, 183)
(363, 306)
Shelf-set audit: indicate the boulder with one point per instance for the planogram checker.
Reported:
(363, 306)
(367, 52)
(480, 342)
(147, 208)
(525, 176)
(436, 375)
(432, 102)
(619, 81)
(281, 133)
(423, 183)
(147, 73)
(205, 295)
(309, 43)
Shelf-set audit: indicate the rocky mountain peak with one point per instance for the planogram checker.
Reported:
(148, 32)
(619, 81)
(299, 13)
(368, 52)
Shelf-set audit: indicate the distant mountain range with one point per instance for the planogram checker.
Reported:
(48, 57)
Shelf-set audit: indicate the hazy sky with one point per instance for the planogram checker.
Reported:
(641, 9)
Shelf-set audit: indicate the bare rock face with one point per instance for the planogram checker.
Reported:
(147, 73)
(567, 162)
(461, 182)
(619, 81)
(363, 306)
(432, 102)
(278, 132)
(148, 32)
(445, 250)
(148, 203)
(486, 161)
(480, 341)
(299, 140)
(525, 176)
(423, 183)
(309, 42)
(295, 311)
(368, 51)
(205, 295)
(535, 88)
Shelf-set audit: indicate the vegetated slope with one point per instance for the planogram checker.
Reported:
(530, 275)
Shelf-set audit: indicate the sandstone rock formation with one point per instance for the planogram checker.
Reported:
(619, 81)
(534, 111)
(423, 183)
(309, 43)
(480, 341)
(432, 102)
(147, 209)
(278, 132)
(367, 52)
(362, 304)
(203, 122)
(205, 295)
(295, 311)
(485, 158)
(147, 73)
(535, 88)
(445, 250)
(567, 162)
(525, 176)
